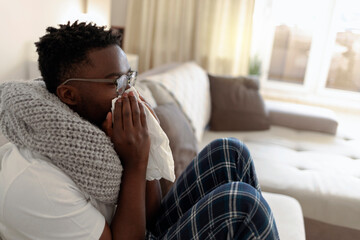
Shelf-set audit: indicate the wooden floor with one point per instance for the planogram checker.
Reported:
(316, 230)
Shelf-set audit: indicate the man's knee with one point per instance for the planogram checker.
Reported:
(242, 197)
(245, 208)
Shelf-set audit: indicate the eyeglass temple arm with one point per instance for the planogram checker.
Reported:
(87, 80)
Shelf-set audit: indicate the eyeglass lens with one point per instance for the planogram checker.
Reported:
(121, 84)
(123, 81)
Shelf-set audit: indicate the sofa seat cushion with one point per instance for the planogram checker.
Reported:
(321, 171)
(288, 216)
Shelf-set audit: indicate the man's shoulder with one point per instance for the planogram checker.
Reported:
(25, 174)
(38, 199)
(17, 161)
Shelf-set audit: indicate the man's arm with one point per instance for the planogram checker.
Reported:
(129, 221)
(153, 201)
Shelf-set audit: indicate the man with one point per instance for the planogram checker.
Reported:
(60, 175)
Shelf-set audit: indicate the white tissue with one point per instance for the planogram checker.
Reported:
(161, 162)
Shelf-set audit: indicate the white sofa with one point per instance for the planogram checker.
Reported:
(299, 159)
(287, 210)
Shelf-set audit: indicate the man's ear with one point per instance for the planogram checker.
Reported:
(68, 94)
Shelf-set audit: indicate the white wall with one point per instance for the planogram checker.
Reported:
(22, 22)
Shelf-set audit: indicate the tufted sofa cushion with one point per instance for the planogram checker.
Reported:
(321, 171)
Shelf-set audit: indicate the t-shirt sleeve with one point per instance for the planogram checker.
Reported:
(43, 203)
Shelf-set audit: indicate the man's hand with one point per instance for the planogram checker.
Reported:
(129, 132)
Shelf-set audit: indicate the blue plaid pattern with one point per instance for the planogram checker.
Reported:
(217, 197)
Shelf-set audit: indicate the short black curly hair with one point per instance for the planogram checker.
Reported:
(62, 49)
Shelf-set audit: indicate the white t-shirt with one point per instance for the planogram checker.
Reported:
(39, 201)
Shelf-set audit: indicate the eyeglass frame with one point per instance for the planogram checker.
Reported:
(130, 77)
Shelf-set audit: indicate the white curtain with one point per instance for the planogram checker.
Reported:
(214, 33)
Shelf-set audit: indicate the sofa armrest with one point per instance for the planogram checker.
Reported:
(288, 216)
(302, 117)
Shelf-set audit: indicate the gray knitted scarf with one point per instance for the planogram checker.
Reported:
(33, 118)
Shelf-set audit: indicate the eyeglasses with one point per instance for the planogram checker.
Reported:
(121, 82)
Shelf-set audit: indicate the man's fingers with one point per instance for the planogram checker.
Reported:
(126, 112)
(134, 109)
(118, 120)
(142, 115)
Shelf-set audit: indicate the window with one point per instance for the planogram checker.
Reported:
(290, 53)
(293, 31)
(344, 71)
(309, 50)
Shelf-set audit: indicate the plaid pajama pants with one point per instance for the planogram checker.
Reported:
(217, 197)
